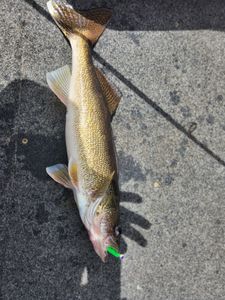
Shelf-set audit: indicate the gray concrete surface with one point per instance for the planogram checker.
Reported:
(167, 59)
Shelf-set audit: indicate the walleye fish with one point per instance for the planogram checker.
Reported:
(90, 101)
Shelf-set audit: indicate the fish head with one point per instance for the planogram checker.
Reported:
(104, 230)
(104, 233)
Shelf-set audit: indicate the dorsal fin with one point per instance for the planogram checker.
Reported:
(111, 95)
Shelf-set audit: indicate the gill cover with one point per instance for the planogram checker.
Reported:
(95, 203)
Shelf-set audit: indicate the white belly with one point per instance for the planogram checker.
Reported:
(82, 204)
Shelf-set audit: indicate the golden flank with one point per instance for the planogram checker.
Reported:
(90, 101)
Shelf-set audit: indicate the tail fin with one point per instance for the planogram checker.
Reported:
(89, 24)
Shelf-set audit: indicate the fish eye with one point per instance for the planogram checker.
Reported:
(118, 230)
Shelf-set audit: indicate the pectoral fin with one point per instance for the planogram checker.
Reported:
(73, 172)
(59, 82)
(60, 174)
(111, 95)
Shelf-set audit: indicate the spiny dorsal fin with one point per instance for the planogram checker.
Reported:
(59, 82)
(90, 24)
(110, 93)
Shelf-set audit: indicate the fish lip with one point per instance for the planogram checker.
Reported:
(110, 241)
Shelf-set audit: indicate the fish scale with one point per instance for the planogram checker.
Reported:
(95, 157)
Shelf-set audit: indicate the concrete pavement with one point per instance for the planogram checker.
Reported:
(167, 59)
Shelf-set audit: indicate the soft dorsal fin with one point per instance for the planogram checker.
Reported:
(110, 93)
(59, 82)
(89, 24)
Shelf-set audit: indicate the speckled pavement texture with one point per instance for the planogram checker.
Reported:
(168, 60)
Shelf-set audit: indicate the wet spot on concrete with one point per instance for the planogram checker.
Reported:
(200, 119)
(174, 163)
(184, 245)
(168, 179)
(143, 126)
(218, 222)
(134, 38)
(128, 126)
(23, 23)
(129, 168)
(183, 147)
(18, 56)
(135, 112)
(186, 112)
(40, 152)
(210, 119)
(42, 214)
(219, 98)
(174, 98)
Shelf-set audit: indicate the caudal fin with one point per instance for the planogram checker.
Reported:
(89, 24)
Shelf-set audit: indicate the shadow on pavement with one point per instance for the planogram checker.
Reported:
(45, 252)
(145, 15)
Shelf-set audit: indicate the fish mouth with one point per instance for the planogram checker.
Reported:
(111, 241)
(100, 247)
(100, 250)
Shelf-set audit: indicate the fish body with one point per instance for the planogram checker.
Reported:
(88, 128)
(90, 102)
